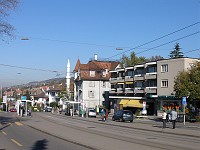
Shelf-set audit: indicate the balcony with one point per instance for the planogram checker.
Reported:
(113, 91)
(120, 90)
(152, 75)
(113, 80)
(129, 90)
(128, 78)
(138, 77)
(151, 90)
(139, 90)
(120, 79)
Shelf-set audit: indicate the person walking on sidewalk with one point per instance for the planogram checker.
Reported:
(164, 118)
(174, 116)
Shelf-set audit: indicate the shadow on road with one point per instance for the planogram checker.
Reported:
(40, 145)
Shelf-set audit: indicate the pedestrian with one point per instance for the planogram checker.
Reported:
(174, 116)
(164, 118)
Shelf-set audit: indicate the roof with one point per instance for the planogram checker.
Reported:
(98, 67)
(77, 66)
(41, 95)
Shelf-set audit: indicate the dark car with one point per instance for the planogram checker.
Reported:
(123, 115)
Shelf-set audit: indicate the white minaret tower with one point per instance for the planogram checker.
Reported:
(68, 77)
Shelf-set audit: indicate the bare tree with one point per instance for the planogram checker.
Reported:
(6, 29)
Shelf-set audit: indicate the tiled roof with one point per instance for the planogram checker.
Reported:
(41, 95)
(77, 66)
(98, 67)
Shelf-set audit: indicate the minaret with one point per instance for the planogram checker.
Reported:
(68, 77)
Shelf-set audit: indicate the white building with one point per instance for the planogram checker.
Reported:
(91, 81)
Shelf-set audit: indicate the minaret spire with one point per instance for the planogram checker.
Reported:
(68, 77)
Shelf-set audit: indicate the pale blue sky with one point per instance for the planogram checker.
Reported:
(62, 29)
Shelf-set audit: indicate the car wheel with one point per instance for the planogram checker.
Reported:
(131, 121)
(113, 119)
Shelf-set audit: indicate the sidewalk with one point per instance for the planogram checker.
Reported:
(149, 123)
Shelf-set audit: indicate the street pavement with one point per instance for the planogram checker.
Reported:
(148, 123)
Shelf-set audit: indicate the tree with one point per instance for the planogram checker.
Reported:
(27, 95)
(6, 29)
(182, 84)
(176, 53)
(187, 83)
(132, 61)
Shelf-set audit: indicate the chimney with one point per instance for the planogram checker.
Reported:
(95, 56)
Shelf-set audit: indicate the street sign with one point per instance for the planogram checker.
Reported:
(184, 101)
(23, 97)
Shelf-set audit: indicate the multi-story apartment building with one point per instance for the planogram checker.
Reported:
(91, 82)
(149, 83)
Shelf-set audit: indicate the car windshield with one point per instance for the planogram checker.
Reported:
(128, 112)
(92, 110)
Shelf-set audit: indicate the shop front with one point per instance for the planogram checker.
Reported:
(168, 105)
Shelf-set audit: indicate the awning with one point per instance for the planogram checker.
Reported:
(124, 102)
(120, 83)
(129, 82)
(132, 103)
(135, 103)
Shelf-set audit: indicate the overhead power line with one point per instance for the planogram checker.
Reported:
(28, 68)
(54, 71)
(155, 40)
(170, 42)
(191, 51)
(104, 45)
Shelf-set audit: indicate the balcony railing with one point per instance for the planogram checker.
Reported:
(128, 78)
(152, 75)
(151, 89)
(139, 77)
(139, 90)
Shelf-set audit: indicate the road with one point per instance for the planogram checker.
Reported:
(54, 131)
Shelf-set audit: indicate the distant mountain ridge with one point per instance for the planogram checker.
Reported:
(42, 83)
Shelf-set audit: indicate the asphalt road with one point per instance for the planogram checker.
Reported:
(54, 131)
(17, 136)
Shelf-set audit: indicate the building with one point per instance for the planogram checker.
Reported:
(147, 85)
(91, 82)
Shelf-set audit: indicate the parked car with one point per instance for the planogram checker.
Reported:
(13, 110)
(48, 109)
(123, 115)
(92, 113)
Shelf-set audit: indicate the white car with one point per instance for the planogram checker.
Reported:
(92, 113)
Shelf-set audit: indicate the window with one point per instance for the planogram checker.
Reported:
(92, 73)
(164, 83)
(91, 84)
(151, 69)
(104, 74)
(164, 68)
(104, 84)
(91, 94)
(53, 94)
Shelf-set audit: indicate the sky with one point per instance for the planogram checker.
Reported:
(59, 30)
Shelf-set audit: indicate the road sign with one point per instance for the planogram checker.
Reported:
(184, 101)
(23, 97)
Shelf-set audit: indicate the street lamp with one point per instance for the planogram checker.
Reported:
(25, 39)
